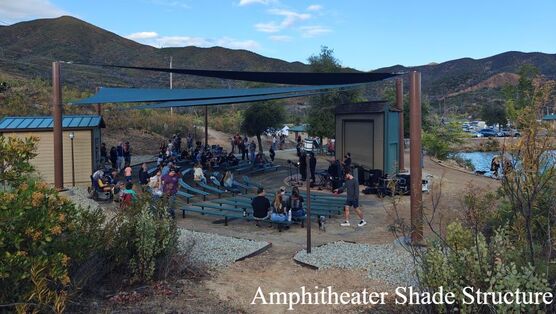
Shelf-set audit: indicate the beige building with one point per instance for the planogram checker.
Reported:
(86, 144)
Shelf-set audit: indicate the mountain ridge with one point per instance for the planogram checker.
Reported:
(28, 48)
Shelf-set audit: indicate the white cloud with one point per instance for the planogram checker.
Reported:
(156, 40)
(14, 11)
(270, 27)
(248, 2)
(313, 31)
(142, 35)
(290, 17)
(280, 38)
(314, 7)
(171, 3)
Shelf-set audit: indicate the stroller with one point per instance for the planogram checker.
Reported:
(99, 194)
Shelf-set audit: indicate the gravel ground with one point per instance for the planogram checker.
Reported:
(384, 261)
(215, 251)
(80, 197)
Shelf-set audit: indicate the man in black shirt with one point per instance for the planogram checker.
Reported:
(351, 187)
(312, 166)
(347, 161)
(335, 172)
(261, 206)
(303, 166)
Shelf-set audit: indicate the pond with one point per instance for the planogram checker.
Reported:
(481, 160)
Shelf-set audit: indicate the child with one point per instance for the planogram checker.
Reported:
(127, 173)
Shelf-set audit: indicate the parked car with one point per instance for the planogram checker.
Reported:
(476, 134)
(509, 133)
(488, 133)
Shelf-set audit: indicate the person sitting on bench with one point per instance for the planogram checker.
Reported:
(295, 204)
(278, 209)
(261, 206)
(228, 181)
(198, 175)
(232, 160)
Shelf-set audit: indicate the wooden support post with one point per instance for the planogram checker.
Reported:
(57, 111)
(399, 105)
(416, 174)
(307, 176)
(206, 127)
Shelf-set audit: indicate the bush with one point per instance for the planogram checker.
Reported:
(42, 236)
(464, 162)
(143, 236)
(466, 259)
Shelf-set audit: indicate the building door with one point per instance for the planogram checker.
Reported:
(358, 139)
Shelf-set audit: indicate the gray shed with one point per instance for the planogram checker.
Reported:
(370, 132)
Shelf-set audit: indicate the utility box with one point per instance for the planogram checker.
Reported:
(370, 132)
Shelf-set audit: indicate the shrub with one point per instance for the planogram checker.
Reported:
(42, 236)
(142, 236)
(465, 259)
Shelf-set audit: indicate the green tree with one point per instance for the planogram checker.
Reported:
(428, 118)
(494, 114)
(521, 95)
(440, 140)
(261, 116)
(321, 113)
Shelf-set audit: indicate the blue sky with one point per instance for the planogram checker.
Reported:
(363, 34)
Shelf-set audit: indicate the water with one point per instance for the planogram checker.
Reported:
(481, 160)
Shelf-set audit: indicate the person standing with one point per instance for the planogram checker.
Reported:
(114, 157)
(274, 140)
(351, 186)
(127, 153)
(347, 161)
(312, 166)
(120, 155)
(170, 188)
(144, 174)
(271, 153)
(303, 166)
(103, 153)
(252, 150)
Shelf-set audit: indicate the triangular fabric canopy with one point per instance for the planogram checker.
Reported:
(130, 95)
(292, 78)
(222, 101)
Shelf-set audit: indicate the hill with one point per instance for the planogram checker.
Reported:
(455, 76)
(27, 50)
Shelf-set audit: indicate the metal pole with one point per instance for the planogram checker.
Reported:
(171, 86)
(57, 111)
(308, 223)
(206, 127)
(415, 157)
(399, 105)
(72, 165)
(99, 108)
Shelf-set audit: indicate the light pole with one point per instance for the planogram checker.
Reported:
(72, 136)
(195, 136)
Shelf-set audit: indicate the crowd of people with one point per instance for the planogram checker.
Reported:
(117, 174)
